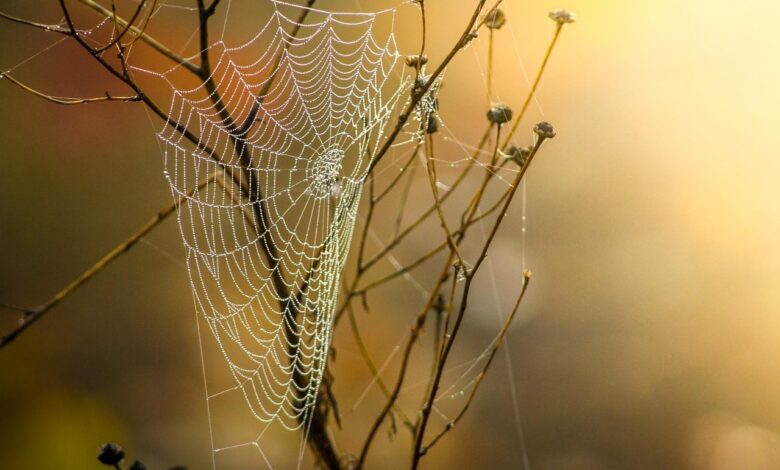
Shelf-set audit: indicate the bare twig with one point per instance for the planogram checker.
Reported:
(432, 179)
(32, 315)
(478, 381)
(64, 100)
(535, 84)
(145, 37)
(452, 335)
(46, 27)
(464, 40)
(126, 27)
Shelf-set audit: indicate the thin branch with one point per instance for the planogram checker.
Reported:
(212, 8)
(145, 37)
(409, 229)
(431, 166)
(465, 39)
(419, 65)
(367, 224)
(478, 381)
(535, 84)
(64, 100)
(402, 204)
(34, 314)
(414, 334)
(400, 174)
(452, 335)
(371, 366)
(125, 29)
(45, 27)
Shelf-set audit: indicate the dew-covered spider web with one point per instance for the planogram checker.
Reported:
(287, 126)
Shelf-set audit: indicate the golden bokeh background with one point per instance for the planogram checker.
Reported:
(651, 334)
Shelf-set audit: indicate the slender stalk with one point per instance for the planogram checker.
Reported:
(428, 212)
(45, 27)
(435, 192)
(125, 29)
(465, 38)
(64, 100)
(535, 84)
(478, 381)
(452, 335)
(370, 363)
(490, 66)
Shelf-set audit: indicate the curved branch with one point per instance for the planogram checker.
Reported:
(64, 100)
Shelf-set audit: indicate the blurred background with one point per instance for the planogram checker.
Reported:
(650, 337)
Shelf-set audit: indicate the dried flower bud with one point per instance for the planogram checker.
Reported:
(495, 19)
(137, 466)
(111, 454)
(499, 114)
(562, 16)
(517, 154)
(419, 86)
(544, 130)
(415, 60)
(433, 125)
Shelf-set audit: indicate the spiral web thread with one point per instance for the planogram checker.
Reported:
(265, 245)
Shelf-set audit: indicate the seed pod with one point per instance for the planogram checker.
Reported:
(544, 130)
(415, 60)
(111, 454)
(499, 114)
(562, 16)
(495, 19)
(519, 155)
(137, 466)
(433, 125)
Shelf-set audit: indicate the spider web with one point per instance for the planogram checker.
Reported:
(284, 147)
